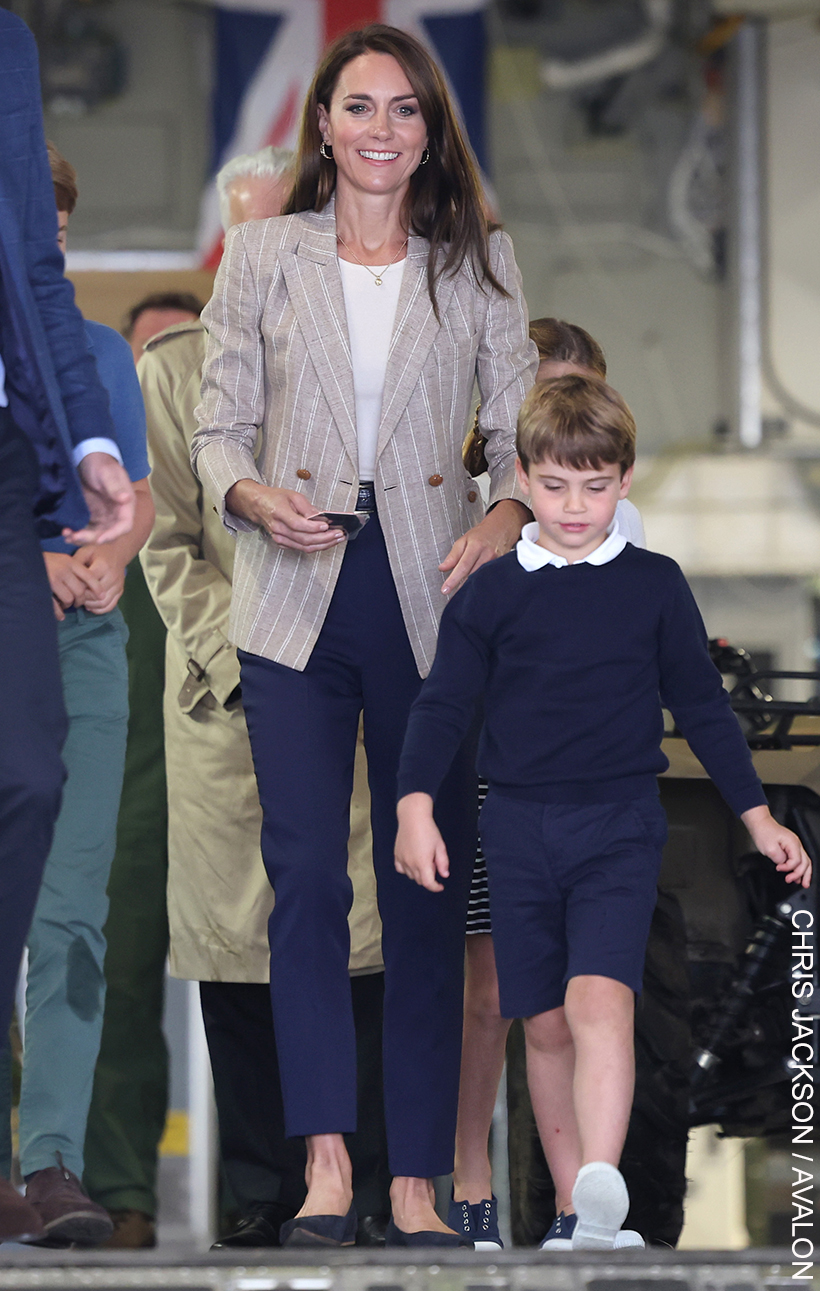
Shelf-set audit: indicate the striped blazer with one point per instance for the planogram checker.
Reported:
(278, 407)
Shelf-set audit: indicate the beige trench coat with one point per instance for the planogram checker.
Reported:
(219, 898)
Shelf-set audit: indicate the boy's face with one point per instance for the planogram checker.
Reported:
(574, 508)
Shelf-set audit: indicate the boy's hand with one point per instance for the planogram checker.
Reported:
(106, 574)
(779, 844)
(420, 850)
(69, 585)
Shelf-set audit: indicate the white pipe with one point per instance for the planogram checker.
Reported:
(564, 74)
(748, 44)
(201, 1127)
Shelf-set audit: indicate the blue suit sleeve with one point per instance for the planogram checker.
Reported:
(692, 690)
(115, 364)
(446, 704)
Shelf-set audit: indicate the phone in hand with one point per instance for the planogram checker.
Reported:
(351, 521)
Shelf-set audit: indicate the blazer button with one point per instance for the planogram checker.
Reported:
(303, 473)
(435, 480)
(472, 495)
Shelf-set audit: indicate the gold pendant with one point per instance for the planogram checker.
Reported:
(378, 282)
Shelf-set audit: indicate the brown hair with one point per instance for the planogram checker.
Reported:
(444, 202)
(567, 343)
(184, 302)
(578, 422)
(563, 343)
(64, 179)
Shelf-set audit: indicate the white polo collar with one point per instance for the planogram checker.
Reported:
(532, 556)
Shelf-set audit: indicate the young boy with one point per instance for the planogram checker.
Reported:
(576, 639)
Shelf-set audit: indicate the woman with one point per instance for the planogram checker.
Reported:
(349, 333)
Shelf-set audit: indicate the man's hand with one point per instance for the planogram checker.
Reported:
(70, 584)
(106, 574)
(110, 499)
(779, 844)
(420, 850)
(284, 514)
(496, 534)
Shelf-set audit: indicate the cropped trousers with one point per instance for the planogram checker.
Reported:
(302, 729)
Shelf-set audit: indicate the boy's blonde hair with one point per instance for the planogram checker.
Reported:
(579, 422)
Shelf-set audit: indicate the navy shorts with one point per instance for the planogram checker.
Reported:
(572, 892)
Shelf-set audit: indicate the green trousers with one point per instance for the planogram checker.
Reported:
(130, 1094)
(65, 986)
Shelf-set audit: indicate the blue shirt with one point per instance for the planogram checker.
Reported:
(575, 664)
(115, 365)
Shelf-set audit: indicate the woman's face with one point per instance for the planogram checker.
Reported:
(374, 125)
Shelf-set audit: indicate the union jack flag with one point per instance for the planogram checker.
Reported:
(267, 52)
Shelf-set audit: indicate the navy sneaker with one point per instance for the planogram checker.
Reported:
(460, 1218)
(485, 1226)
(559, 1237)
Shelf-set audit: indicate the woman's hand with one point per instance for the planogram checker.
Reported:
(779, 844)
(70, 584)
(284, 514)
(497, 534)
(420, 851)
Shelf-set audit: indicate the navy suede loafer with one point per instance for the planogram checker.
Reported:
(396, 1237)
(320, 1230)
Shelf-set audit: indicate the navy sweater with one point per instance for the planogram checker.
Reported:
(574, 664)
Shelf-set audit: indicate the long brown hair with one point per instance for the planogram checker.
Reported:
(444, 200)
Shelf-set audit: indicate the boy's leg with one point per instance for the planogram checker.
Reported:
(550, 1077)
(66, 989)
(600, 1019)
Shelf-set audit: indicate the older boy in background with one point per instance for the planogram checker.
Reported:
(65, 987)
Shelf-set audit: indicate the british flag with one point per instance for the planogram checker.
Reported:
(267, 52)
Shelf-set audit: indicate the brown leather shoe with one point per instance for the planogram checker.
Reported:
(133, 1231)
(18, 1218)
(69, 1216)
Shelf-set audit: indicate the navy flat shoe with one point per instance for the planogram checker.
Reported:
(320, 1230)
(396, 1237)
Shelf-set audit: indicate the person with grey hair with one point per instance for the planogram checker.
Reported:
(253, 184)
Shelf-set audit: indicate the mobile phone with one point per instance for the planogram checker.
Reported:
(351, 521)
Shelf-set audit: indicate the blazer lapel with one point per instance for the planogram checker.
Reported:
(414, 332)
(314, 285)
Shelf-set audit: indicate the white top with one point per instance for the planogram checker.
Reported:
(371, 313)
(533, 556)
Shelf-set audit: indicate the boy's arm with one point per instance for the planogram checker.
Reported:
(439, 720)
(779, 844)
(420, 851)
(693, 691)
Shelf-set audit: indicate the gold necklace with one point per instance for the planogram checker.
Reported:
(377, 276)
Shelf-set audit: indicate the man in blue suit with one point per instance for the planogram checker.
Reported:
(60, 472)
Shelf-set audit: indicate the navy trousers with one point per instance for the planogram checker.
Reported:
(33, 721)
(302, 729)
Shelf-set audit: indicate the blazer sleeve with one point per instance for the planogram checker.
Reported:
(84, 399)
(506, 366)
(232, 406)
(193, 597)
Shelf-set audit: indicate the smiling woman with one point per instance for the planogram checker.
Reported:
(346, 336)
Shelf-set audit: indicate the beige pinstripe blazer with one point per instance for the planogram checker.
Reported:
(278, 365)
